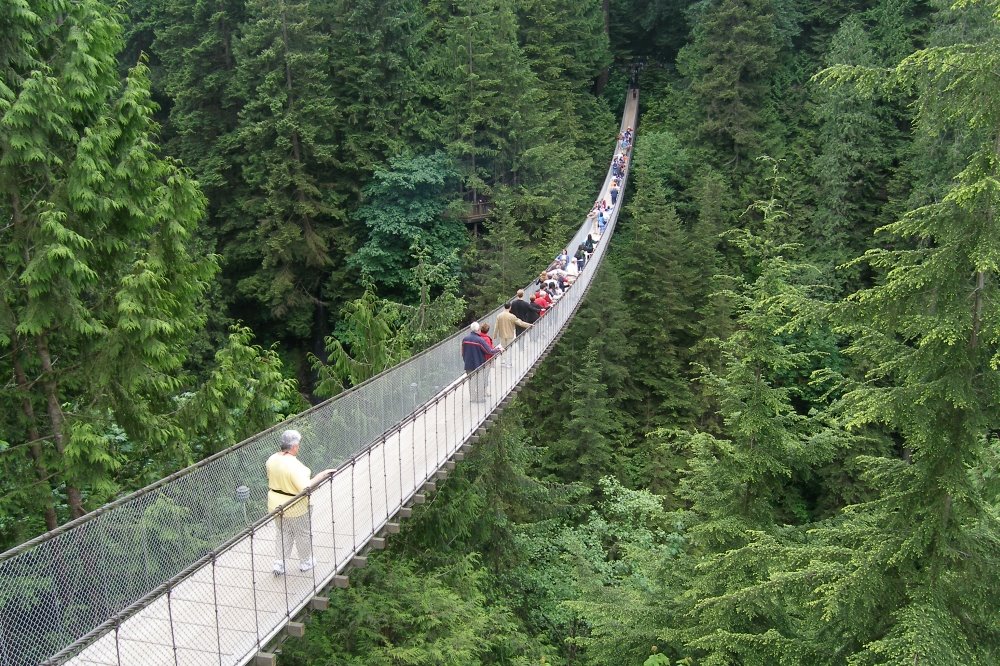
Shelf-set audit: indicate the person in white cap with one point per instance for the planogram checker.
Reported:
(286, 478)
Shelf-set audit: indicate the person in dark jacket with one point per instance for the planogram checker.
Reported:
(475, 352)
(581, 257)
(523, 310)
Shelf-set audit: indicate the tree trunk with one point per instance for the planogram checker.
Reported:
(35, 447)
(34, 441)
(56, 422)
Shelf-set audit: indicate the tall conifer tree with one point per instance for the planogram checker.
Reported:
(912, 575)
(658, 285)
(103, 294)
(729, 62)
(291, 237)
(856, 134)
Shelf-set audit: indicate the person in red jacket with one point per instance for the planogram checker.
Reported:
(484, 333)
(542, 300)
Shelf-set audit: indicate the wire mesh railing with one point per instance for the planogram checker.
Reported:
(180, 572)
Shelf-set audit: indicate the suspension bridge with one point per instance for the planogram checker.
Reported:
(180, 572)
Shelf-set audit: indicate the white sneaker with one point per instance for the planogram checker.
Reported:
(306, 565)
(278, 569)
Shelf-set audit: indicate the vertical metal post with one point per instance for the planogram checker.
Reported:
(399, 449)
(312, 539)
(464, 404)
(464, 425)
(170, 621)
(279, 524)
(437, 437)
(371, 495)
(118, 646)
(253, 581)
(333, 526)
(385, 471)
(413, 456)
(215, 607)
(426, 475)
(354, 520)
(440, 424)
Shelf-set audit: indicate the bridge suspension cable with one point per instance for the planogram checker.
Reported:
(179, 572)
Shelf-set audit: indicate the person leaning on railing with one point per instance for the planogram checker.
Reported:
(286, 478)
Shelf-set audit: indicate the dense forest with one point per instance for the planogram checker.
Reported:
(766, 437)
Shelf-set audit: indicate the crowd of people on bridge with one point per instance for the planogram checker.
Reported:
(521, 312)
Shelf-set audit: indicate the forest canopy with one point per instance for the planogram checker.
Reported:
(768, 437)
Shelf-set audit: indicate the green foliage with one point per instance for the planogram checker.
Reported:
(403, 210)
(498, 263)
(370, 341)
(710, 508)
(376, 49)
(439, 305)
(624, 577)
(733, 48)
(923, 335)
(855, 135)
(659, 286)
(600, 324)
(193, 44)
(245, 392)
(592, 433)
(399, 615)
(736, 483)
(291, 235)
(105, 288)
(107, 282)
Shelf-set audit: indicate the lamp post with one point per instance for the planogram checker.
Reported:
(243, 495)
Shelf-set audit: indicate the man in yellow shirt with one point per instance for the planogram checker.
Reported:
(286, 478)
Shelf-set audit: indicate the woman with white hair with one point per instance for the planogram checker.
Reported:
(287, 477)
(475, 352)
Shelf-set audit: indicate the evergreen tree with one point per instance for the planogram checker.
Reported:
(712, 201)
(194, 47)
(107, 280)
(371, 340)
(499, 263)
(438, 306)
(404, 209)
(734, 46)
(290, 239)
(911, 575)
(658, 285)
(494, 116)
(601, 322)
(377, 48)
(739, 483)
(565, 44)
(592, 434)
(104, 293)
(855, 136)
(739, 486)
(398, 613)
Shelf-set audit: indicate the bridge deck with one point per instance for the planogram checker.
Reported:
(218, 612)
